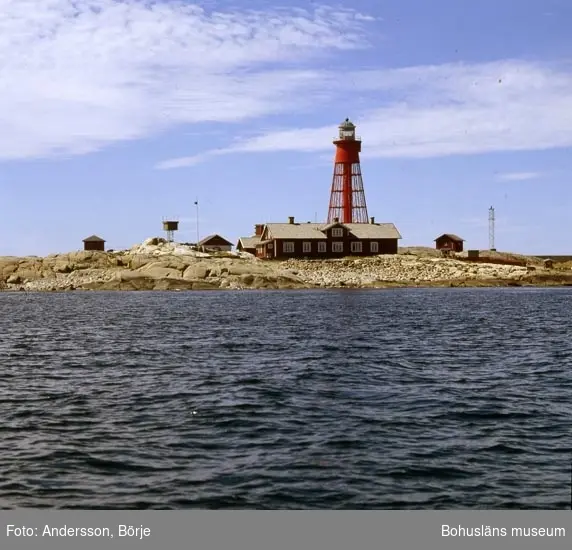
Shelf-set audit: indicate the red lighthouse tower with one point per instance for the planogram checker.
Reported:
(347, 199)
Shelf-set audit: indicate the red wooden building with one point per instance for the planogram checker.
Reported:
(449, 241)
(330, 240)
(214, 243)
(248, 244)
(94, 243)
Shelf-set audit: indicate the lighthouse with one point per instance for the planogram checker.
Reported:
(347, 198)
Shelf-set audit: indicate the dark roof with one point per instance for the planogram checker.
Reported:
(210, 238)
(94, 239)
(451, 236)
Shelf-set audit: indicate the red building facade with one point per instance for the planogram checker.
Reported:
(321, 241)
(450, 242)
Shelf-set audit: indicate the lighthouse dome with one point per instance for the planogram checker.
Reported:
(347, 130)
(347, 124)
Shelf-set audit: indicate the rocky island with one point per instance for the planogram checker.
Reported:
(159, 265)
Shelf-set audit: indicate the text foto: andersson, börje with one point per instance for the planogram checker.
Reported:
(128, 531)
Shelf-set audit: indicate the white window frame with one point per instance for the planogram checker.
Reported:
(288, 247)
(306, 247)
(337, 246)
(356, 246)
(337, 232)
(374, 247)
(322, 247)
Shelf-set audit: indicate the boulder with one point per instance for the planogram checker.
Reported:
(62, 266)
(156, 272)
(247, 279)
(218, 271)
(198, 271)
(154, 241)
(29, 274)
(138, 261)
(246, 269)
(7, 267)
(162, 264)
(126, 275)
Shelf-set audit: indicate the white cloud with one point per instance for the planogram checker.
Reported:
(433, 111)
(78, 75)
(518, 176)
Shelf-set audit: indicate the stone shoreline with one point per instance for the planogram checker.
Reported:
(157, 265)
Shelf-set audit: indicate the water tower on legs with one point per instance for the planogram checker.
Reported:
(169, 227)
(347, 198)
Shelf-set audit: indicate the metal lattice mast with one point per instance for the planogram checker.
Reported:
(491, 228)
(347, 196)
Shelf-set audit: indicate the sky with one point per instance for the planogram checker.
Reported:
(117, 114)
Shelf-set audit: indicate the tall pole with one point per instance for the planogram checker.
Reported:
(491, 228)
(197, 205)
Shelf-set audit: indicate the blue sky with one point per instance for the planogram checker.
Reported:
(118, 114)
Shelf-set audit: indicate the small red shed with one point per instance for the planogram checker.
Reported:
(214, 243)
(94, 243)
(449, 241)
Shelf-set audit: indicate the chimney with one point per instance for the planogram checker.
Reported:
(258, 228)
(336, 220)
(290, 219)
(372, 220)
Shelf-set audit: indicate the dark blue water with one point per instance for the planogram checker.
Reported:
(444, 398)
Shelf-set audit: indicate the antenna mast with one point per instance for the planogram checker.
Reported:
(197, 205)
(492, 229)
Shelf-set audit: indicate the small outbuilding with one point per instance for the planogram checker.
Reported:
(94, 243)
(214, 243)
(247, 244)
(449, 242)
